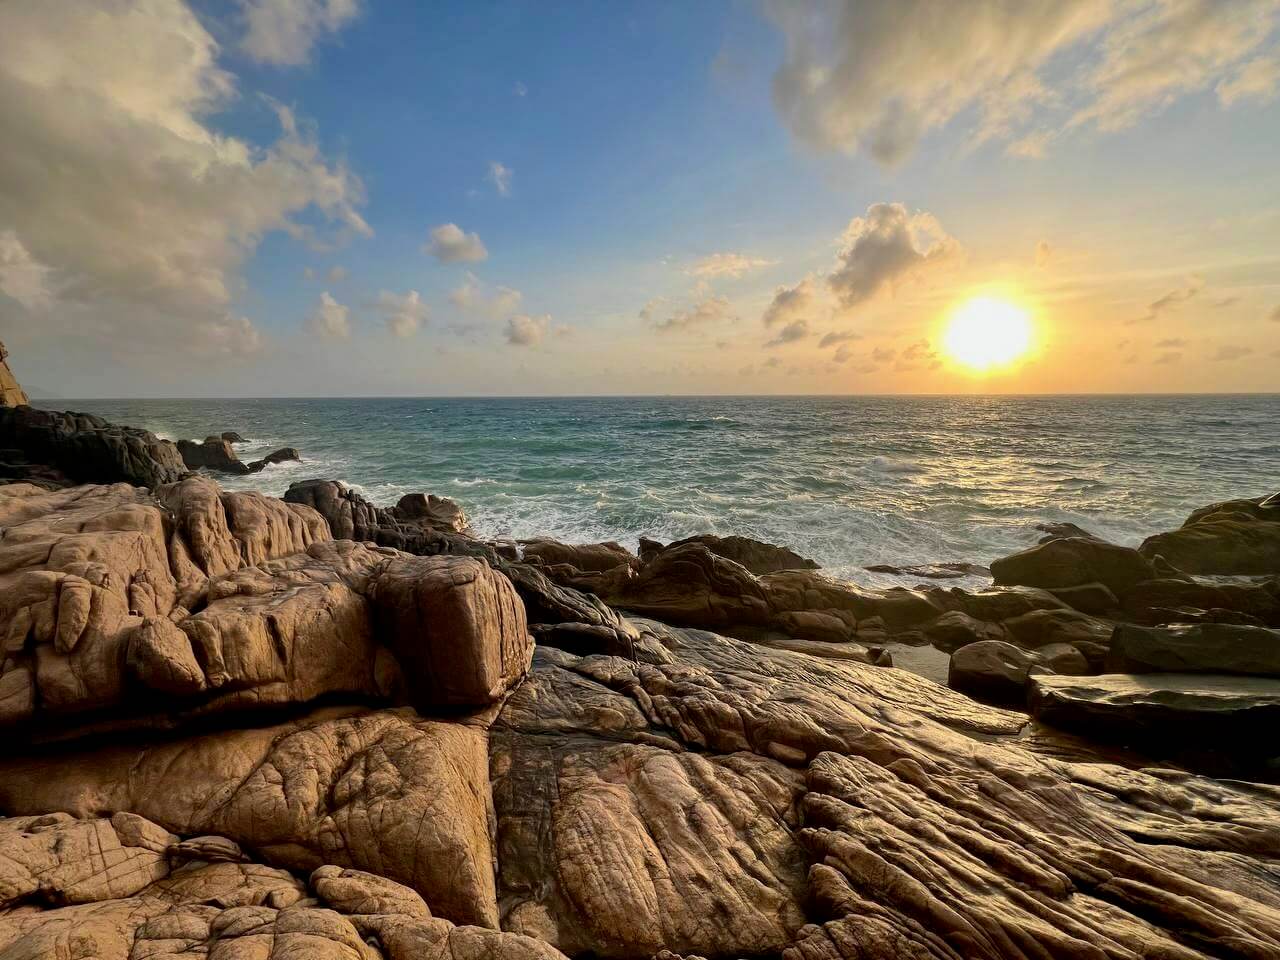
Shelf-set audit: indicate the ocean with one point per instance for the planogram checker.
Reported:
(848, 481)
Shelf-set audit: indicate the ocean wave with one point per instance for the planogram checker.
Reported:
(884, 464)
(477, 482)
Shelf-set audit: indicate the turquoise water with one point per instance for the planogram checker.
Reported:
(847, 481)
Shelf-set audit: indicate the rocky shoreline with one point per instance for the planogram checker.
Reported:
(240, 726)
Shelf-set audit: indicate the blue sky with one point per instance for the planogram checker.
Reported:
(667, 171)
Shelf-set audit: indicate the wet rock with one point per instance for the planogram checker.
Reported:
(231, 436)
(993, 671)
(1064, 531)
(755, 555)
(1195, 648)
(283, 455)
(954, 630)
(1040, 627)
(1234, 537)
(1073, 562)
(1172, 710)
(213, 453)
(88, 449)
(597, 557)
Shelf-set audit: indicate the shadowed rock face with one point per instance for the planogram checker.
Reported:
(1072, 562)
(1195, 648)
(89, 449)
(1234, 537)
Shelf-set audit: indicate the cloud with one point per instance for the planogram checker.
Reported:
(1231, 351)
(336, 274)
(883, 354)
(1172, 343)
(917, 355)
(22, 277)
(726, 265)
(773, 362)
(230, 336)
(404, 313)
(330, 320)
(282, 32)
(792, 332)
(1168, 357)
(519, 89)
(791, 303)
(842, 354)
(500, 176)
(1157, 308)
(1172, 48)
(473, 296)
(877, 77)
(1258, 80)
(886, 248)
(1226, 302)
(838, 336)
(449, 244)
(1044, 253)
(139, 212)
(526, 331)
(709, 311)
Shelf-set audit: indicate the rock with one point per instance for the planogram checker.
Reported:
(1040, 627)
(996, 603)
(283, 455)
(932, 571)
(231, 436)
(755, 555)
(954, 630)
(456, 625)
(1092, 598)
(549, 605)
(384, 792)
(213, 454)
(1172, 710)
(827, 627)
(11, 392)
(411, 526)
(691, 585)
(583, 556)
(993, 671)
(1150, 601)
(1064, 658)
(1234, 537)
(1072, 562)
(1064, 531)
(88, 449)
(1198, 648)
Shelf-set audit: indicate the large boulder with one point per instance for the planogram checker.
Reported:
(597, 557)
(11, 392)
(756, 555)
(456, 625)
(385, 792)
(1234, 537)
(213, 453)
(1195, 648)
(993, 671)
(1073, 562)
(88, 449)
(1171, 711)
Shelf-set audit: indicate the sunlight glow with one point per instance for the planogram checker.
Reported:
(987, 332)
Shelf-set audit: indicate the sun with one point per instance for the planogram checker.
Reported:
(987, 332)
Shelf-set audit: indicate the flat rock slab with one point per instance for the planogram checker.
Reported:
(1196, 648)
(1240, 712)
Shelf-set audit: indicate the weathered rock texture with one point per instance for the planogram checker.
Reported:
(89, 449)
(1235, 537)
(11, 392)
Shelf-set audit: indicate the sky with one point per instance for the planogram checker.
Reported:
(383, 197)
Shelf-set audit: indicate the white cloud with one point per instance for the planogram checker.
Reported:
(519, 89)
(449, 244)
(472, 296)
(22, 277)
(886, 248)
(791, 303)
(526, 331)
(113, 180)
(330, 319)
(282, 32)
(500, 176)
(404, 313)
(1171, 48)
(709, 311)
(876, 77)
(230, 336)
(1258, 80)
(726, 265)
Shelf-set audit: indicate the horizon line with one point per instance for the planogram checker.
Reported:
(674, 396)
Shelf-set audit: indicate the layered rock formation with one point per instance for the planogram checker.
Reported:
(320, 728)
